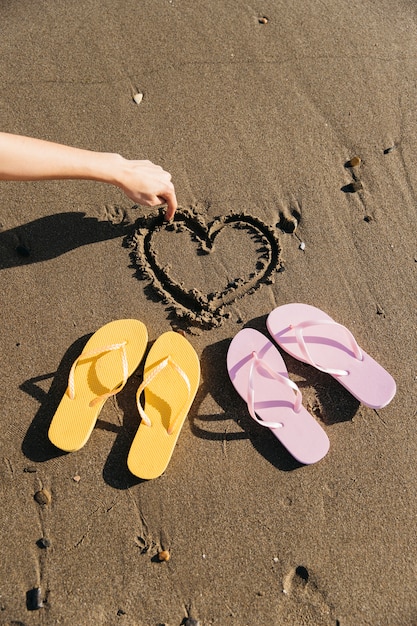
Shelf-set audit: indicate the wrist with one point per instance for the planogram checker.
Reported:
(108, 168)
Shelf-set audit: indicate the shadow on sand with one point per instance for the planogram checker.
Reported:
(51, 236)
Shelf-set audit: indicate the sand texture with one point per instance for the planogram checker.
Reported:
(257, 120)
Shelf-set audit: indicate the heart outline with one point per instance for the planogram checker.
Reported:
(206, 310)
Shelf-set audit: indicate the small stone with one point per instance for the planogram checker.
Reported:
(43, 497)
(263, 20)
(30, 469)
(120, 612)
(190, 621)
(76, 478)
(302, 246)
(354, 162)
(390, 149)
(164, 555)
(43, 542)
(34, 599)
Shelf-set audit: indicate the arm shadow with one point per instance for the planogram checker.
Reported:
(51, 236)
(333, 403)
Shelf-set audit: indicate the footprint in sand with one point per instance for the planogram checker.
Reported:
(198, 269)
(304, 600)
(289, 217)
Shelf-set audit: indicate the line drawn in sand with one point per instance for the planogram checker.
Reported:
(195, 307)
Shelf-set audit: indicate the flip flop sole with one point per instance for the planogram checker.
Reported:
(74, 418)
(166, 398)
(303, 437)
(328, 346)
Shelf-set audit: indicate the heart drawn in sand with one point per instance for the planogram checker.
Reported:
(239, 271)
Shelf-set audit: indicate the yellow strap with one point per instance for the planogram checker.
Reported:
(146, 381)
(89, 355)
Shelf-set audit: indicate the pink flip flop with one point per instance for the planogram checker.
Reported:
(259, 375)
(313, 337)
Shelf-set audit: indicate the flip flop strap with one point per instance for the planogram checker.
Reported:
(89, 355)
(298, 329)
(147, 380)
(259, 363)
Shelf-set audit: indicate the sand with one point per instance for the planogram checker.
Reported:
(254, 117)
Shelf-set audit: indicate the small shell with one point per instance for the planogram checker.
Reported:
(302, 246)
(164, 555)
(138, 97)
(354, 162)
(43, 497)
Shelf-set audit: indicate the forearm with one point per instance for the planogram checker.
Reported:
(26, 158)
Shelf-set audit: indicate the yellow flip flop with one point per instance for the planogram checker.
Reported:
(170, 382)
(109, 357)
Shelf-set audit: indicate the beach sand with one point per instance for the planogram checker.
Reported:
(251, 116)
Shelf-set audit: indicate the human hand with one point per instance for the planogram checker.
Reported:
(147, 184)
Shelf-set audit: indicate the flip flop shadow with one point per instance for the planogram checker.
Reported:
(36, 445)
(115, 471)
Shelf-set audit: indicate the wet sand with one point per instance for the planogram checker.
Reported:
(255, 117)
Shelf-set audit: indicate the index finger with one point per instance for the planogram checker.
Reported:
(172, 204)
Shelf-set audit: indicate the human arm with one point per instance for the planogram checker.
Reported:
(27, 158)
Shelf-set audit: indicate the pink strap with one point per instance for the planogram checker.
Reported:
(146, 381)
(258, 363)
(298, 329)
(89, 355)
